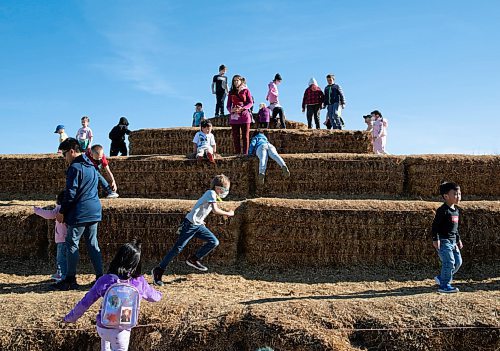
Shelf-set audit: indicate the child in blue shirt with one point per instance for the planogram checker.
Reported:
(260, 146)
(198, 114)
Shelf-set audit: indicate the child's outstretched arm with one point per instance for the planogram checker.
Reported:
(84, 304)
(149, 293)
(47, 214)
(220, 211)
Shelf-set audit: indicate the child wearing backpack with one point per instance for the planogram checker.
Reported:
(121, 289)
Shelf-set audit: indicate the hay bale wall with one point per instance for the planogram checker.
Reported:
(343, 232)
(178, 141)
(31, 175)
(22, 233)
(224, 122)
(478, 176)
(312, 175)
(270, 232)
(156, 223)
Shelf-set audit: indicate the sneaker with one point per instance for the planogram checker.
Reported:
(193, 262)
(156, 273)
(448, 289)
(436, 279)
(285, 171)
(65, 285)
(56, 276)
(112, 195)
(210, 157)
(261, 178)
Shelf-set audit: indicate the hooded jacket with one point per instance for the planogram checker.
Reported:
(334, 94)
(81, 201)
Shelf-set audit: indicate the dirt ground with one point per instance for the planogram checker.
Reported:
(356, 308)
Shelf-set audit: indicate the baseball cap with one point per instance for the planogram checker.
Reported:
(59, 127)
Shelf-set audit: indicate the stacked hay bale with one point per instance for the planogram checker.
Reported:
(477, 175)
(178, 141)
(224, 122)
(344, 232)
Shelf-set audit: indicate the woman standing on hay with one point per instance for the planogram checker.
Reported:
(193, 226)
(239, 103)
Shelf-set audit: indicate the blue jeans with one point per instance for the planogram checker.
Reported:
(451, 260)
(89, 231)
(332, 114)
(104, 183)
(187, 231)
(61, 259)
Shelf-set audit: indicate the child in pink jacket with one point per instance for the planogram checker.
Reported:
(379, 133)
(60, 237)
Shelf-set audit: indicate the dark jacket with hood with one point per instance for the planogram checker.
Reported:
(117, 134)
(81, 202)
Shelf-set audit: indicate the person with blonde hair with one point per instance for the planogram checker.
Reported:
(193, 226)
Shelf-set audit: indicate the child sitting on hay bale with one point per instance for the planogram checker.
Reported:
(193, 226)
(121, 288)
(445, 236)
(204, 142)
(260, 146)
(60, 231)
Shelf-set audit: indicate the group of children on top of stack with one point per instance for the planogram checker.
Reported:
(240, 106)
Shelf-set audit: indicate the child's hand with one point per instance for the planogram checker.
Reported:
(460, 245)
(230, 213)
(436, 244)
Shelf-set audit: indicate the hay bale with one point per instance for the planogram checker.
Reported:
(477, 175)
(22, 233)
(178, 141)
(330, 175)
(343, 232)
(155, 222)
(22, 175)
(224, 122)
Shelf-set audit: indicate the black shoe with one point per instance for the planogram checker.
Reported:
(192, 261)
(65, 285)
(157, 273)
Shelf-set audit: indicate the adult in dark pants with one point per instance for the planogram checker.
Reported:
(239, 103)
(313, 99)
(219, 88)
(117, 136)
(80, 210)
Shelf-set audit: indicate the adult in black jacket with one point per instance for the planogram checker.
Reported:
(117, 136)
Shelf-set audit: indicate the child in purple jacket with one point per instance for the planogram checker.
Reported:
(61, 230)
(264, 116)
(126, 265)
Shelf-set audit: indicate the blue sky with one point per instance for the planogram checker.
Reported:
(431, 67)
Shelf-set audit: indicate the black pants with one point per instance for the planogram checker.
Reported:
(313, 111)
(118, 147)
(219, 105)
(279, 111)
(264, 125)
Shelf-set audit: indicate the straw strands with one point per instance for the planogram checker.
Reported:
(178, 141)
(270, 232)
(224, 122)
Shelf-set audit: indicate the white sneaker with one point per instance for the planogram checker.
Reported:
(112, 195)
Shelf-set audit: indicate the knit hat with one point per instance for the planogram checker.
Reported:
(313, 81)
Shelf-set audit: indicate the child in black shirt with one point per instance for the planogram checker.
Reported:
(445, 236)
(219, 88)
